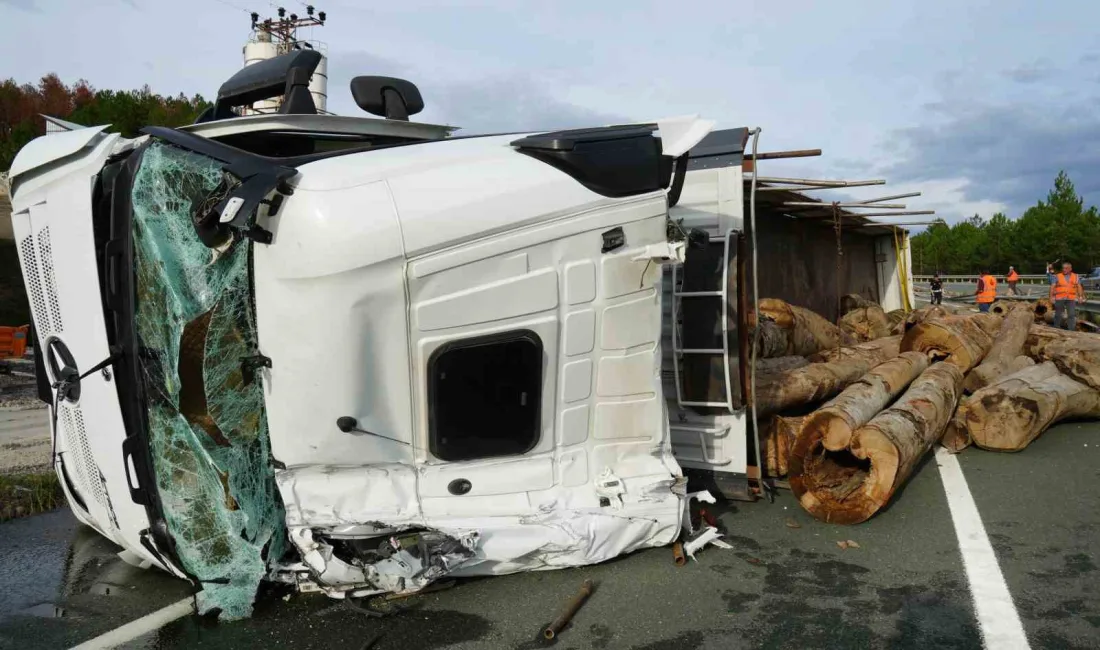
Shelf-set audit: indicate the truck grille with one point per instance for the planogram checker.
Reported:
(38, 266)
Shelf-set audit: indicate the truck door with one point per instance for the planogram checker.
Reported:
(537, 384)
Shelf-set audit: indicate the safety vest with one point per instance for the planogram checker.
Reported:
(989, 289)
(1013, 277)
(1065, 288)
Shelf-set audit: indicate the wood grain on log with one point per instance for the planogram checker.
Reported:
(865, 323)
(780, 434)
(829, 372)
(778, 364)
(854, 301)
(1040, 336)
(807, 385)
(875, 351)
(1077, 359)
(835, 422)
(807, 332)
(849, 486)
(1010, 413)
(1006, 347)
(960, 340)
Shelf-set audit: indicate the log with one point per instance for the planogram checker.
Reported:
(772, 340)
(895, 317)
(955, 436)
(807, 385)
(835, 422)
(854, 301)
(1076, 359)
(1008, 414)
(1043, 310)
(807, 332)
(918, 316)
(778, 364)
(865, 323)
(849, 486)
(1040, 336)
(1006, 347)
(829, 372)
(875, 352)
(961, 340)
(780, 434)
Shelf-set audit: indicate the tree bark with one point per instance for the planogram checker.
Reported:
(834, 423)
(854, 301)
(955, 436)
(807, 332)
(893, 318)
(772, 341)
(918, 316)
(1008, 414)
(1076, 359)
(779, 437)
(1040, 336)
(875, 352)
(1008, 344)
(959, 340)
(865, 323)
(849, 486)
(778, 364)
(829, 372)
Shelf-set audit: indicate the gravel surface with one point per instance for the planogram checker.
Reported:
(24, 422)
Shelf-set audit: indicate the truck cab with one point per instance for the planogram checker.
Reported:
(359, 354)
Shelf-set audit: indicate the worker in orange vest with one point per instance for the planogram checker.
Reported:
(987, 291)
(1013, 277)
(1066, 293)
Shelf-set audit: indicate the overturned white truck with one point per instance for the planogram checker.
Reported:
(358, 354)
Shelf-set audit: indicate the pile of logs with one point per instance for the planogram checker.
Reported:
(847, 412)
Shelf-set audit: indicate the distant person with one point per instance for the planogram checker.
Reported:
(987, 291)
(1012, 278)
(1066, 293)
(937, 289)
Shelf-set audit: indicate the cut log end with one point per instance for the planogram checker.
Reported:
(850, 485)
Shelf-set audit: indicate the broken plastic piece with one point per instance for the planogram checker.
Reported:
(707, 536)
(610, 487)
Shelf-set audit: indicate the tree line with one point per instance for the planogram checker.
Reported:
(127, 111)
(1059, 229)
(21, 110)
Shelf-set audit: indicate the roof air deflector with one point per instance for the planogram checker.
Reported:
(286, 76)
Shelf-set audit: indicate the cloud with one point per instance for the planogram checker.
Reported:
(25, 5)
(495, 103)
(1006, 154)
(1031, 73)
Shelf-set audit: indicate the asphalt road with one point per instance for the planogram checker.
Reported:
(785, 584)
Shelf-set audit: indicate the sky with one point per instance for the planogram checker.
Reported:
(977, 104)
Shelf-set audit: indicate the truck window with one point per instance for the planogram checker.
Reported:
(484, 395)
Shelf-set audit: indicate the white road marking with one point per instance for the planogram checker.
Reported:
(143, 625)
(997, 617)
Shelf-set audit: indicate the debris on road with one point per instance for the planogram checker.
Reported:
(678, 557)
(570, 610)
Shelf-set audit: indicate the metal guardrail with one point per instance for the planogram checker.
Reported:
(1024, 279)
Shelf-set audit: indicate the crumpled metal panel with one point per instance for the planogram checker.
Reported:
(207, 427)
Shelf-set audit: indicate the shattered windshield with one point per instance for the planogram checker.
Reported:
(208, 431)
